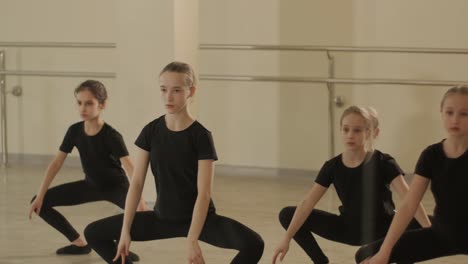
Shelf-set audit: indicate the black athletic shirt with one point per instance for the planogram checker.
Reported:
(449, 185)
(174, 157)
(364, 191)
(100, 154)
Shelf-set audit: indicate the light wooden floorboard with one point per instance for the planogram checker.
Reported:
(254, 201)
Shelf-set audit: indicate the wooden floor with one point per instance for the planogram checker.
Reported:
(254, 201)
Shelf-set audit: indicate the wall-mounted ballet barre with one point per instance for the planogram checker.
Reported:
(369, 49)
(59, 74)
(56, 45)
(251, 78)
(17, 90)
(330, 81)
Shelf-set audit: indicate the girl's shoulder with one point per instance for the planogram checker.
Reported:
(76, 128)
(199, 127)
(109, 130)
(334, 162)
(155, 123)
(435, 147)
(434, 150)
(384, 161)
(382, 156)
(76, 125)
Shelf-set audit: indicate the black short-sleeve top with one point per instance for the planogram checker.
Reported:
(449, 185)
(364, 191)
(174, 157)
(99, 154)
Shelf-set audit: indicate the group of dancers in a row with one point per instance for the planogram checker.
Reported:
(181, 153)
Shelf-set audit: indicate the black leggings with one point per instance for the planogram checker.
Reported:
(416, 245)
(329, 226)
(218, 230)
(75, 193)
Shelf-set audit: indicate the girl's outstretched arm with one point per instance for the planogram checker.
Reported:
(200, 211)
(303, 210)
(129, 168)
(52, 170)
(402, 218)
(131, 203)
(402, 188)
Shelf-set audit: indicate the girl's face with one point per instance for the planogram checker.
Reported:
(455, 114)
(88, 106)
(354, 132)
(174, 91)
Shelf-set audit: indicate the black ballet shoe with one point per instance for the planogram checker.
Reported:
(127, 261)
(321, 260)
(74, 250)
(133, 257)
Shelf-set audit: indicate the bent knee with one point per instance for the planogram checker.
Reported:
(285, 216)
(91, 231)
(258, 244)
(254, 247)
(364, 252)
